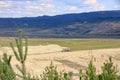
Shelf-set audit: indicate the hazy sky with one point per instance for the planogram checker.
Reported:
(31, 8)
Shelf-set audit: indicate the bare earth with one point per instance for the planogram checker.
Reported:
(40, 56)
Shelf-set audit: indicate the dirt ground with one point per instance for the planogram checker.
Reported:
(39, 58)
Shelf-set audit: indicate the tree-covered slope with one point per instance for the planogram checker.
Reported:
(91, 24)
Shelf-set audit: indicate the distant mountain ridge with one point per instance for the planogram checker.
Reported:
(91, 24)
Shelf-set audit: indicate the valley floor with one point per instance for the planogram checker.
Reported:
(67, 61)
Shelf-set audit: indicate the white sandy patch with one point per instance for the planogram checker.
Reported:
(37, 49)
(68, 61)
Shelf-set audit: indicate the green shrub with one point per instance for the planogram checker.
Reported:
(51, 73)
(109, 71)
(91, 72)
(6, 72)
(20, 54)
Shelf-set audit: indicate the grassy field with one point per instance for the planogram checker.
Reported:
(73, 44)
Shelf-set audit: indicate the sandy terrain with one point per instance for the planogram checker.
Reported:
(40, 56)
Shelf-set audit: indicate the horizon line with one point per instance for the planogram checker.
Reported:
(61, 14)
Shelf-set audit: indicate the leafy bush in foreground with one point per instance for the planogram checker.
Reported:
(6, 71)
(91, 72)
(51, 73)
(109, 71)
(21, 54)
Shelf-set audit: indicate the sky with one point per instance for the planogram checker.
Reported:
(33, 8)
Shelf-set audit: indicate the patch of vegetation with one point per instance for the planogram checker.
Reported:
(73, 44)
(109, 72)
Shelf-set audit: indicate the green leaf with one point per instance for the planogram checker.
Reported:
(15, 53)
